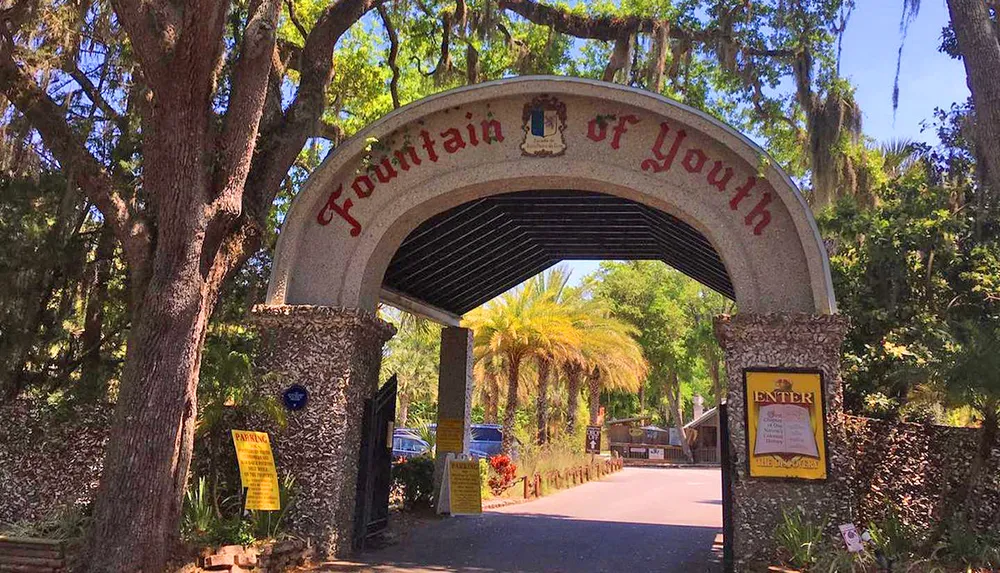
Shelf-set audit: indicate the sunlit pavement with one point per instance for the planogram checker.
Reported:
(633, 521)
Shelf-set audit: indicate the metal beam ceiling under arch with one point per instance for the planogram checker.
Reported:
(463, 257)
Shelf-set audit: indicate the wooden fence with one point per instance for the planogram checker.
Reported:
(552, 480)
(662, 453)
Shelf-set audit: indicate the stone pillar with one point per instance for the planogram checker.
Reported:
(454, 388)
(335, 353)
(783, 341)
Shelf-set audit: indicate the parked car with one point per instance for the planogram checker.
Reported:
(486, 439)
(407, 444)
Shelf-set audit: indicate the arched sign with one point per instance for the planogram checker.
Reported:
(549, 133)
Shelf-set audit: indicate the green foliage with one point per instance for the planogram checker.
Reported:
(70, 524)
(798, 539)
(198, 516)
(969, 547)
(412, 356)
(414, 480)
(271, 524)
(202, 523)
(673, 316)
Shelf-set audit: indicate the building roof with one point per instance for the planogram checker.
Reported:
(708, 415)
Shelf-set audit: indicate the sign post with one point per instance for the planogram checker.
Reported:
(258, 475)
(593, 445)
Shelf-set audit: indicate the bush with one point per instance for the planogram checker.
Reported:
(414, 481)
(271, 524)
(203, 524)
(798, 540)
(504, 474)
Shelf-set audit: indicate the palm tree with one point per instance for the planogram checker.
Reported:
(609, 357)
(413, 356)
(486, 374)
(516, 326)
(553, 284)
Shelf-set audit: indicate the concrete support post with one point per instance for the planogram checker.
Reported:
(454, 388)
(335, 354)
(783, 341)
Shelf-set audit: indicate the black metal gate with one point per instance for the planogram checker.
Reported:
(371, 512)
(725, 460)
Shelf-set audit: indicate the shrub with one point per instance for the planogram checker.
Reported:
(798, 540)
(504, 474)
(198, 516)
(963, 544)
(271, 524)
(414, 480)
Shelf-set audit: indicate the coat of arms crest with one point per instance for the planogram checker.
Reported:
(543, 123)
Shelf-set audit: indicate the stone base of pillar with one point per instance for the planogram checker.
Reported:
(783, 341)
(335, 354)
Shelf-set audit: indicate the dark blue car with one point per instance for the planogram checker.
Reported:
(486, 441)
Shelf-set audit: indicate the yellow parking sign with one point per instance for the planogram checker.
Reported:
(258, 474)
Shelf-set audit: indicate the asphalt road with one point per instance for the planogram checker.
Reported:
(634, 521)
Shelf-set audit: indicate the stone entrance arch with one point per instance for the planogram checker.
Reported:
(732, 217)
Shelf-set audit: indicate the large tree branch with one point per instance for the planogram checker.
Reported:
(246, 106)
(152, 26)
(390, 31)
(92, 92)
(86, 172)
(612, 28)
(284, 140)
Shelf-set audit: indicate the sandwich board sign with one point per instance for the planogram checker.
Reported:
(461, 490)
(593, 445)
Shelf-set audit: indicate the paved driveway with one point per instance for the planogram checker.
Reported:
(634, 521)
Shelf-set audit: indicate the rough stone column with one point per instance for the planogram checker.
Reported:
(454, 388)
(784, 341)
(335, 353)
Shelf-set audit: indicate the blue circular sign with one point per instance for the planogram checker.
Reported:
(295, 397)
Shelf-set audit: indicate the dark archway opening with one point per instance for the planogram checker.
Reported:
(465, 256)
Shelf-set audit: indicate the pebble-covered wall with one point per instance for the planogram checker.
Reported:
(921, 473)
(335, 354)
(49, 459)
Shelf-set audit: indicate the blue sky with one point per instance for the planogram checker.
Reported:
(928, 79)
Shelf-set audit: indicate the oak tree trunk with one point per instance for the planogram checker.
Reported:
(513, 373)
(150, 446)
(677, 413)
(138, 508)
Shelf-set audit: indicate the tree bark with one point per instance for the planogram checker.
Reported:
(677, 413)
(542, 400)
(92, 382)
(513, 372)
(573, 374)
(137, 514)
(492, 398)
(594, 385)
(404, 409)
(978, 44)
